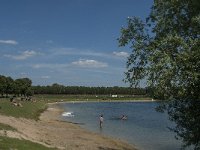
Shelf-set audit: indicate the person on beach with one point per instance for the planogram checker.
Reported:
(101, 121)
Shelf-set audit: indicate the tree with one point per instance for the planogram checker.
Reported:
(2, 84)
(165, 52)
(9, 86)
(6, 85)
(22, 86)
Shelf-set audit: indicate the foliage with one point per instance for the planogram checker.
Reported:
(23, 86)
(20, 86)
(75, 90)
(6, 84)
(165, 51)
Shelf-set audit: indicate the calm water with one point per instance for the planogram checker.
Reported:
(145, 128)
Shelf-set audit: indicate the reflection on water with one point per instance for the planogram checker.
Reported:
(145, 128)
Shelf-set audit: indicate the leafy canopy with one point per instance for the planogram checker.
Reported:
(166, 52)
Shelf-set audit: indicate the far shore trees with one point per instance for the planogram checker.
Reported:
(23, 87)
(20, 87)
(166, 53)
(6, 85)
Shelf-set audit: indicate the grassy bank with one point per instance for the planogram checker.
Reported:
(16, 144)
(7, 143)
(6, 127)
(30, 110)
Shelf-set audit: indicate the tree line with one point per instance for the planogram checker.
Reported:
(23, 87)
(74, 90)
(18, 87)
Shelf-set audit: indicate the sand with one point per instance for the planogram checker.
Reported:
(52, 132)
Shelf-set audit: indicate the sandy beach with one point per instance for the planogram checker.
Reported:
(52, 132)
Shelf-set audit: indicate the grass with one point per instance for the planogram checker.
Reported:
(6, 127)
(16, 144)
(30, 110)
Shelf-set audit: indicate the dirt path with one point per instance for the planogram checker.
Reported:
(51, 132)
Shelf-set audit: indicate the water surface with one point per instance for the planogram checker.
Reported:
(145, 128)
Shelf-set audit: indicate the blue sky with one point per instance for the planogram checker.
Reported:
(70, 42)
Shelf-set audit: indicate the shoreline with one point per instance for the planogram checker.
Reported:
(57, 105)
(51, 131)
(104, 101)
(122, 144)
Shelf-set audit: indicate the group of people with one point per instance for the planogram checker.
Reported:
(101, 119)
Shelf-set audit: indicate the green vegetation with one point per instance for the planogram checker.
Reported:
(12, 143)
(82, 90)
(165, 52)
(29, 110)
(23, 87)
(6, 127)
(17, 87)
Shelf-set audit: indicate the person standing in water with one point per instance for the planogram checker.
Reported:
(101, 121)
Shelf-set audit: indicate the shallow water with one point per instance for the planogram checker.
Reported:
(145, 128)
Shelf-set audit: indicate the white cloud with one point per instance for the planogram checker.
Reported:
(45, 77)
(23, 55)
(11, 42)
(90, 54)
(121, 54)
(80, 63)
(89, 63)
(49, 66)
(79, 52)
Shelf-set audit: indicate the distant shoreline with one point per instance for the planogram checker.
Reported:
(101, 101)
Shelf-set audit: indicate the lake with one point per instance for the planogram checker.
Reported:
(145, 128)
